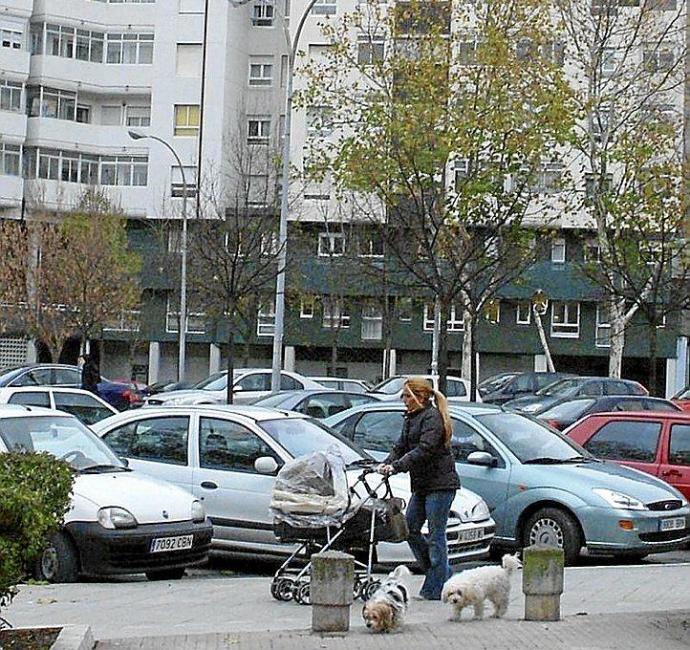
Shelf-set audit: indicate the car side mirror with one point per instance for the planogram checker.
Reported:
(266, 465)
(483, 458)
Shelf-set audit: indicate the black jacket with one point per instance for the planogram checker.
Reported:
(422, 452)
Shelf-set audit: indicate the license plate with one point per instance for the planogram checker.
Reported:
(471, 535)
(165, 544)
(674, 523)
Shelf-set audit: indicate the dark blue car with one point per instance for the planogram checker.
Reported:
(120, 394)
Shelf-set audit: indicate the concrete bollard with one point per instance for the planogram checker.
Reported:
(332, 577)
(542, 582)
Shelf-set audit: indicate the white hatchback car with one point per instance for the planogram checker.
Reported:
(457, 389)
(120, 521)
(227, 456)
(249, 385)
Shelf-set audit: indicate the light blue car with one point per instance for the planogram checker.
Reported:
(540, 486)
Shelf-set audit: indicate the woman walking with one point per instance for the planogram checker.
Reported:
(424, 451)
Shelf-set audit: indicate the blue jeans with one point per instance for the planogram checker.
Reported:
(430, 551)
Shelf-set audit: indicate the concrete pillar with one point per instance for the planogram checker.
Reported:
(31, 355)
(289, 358)
(154, 361)
(542, 582)
(332, 580)
(213, 358)
(681, 369)
(540, 364)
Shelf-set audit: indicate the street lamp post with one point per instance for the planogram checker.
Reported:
(182, 331)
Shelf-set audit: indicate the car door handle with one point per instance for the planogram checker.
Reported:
(671, 472)
(209, 485)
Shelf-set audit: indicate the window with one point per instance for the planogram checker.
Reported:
(196, 321)
(177, 185)
(626, 440)
(139, 116)
(306, 307)
(558, 251)
(372, 323)
(10, 159)
(256, 381)
(90, 46)
(370, 49)
(455, 388)
(320, 120)
(31, 398)
(404, 307)
(258, 130)
(85, 407)
(161, 440)
(679, 448)
(262, 14)
(565, 320)
(658, 57)
(331, 244)
(466, 441)
(609, 61)
(187, 120)
(11, 37)
(128, 320)
(188, 60)
(462, 170)
(455, 323)
(111, 115)
(10, 96)
(591, 252)
(257, 190)
(266, 319)
(129, 48)
(548, 178)
(523, 313)
(324, 7)
(335, 315)
(260, 71)
(227, 445)
(378, 430)
(371, 245)
(492, 311)
(602, 334)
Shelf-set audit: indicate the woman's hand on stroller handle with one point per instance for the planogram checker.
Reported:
(385, 470)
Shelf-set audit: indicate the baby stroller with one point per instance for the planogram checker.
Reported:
(314, 507)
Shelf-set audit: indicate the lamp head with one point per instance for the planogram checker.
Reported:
(136, 136)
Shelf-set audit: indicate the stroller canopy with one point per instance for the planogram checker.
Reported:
(312, 491)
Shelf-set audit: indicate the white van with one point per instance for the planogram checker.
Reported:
(120, 521)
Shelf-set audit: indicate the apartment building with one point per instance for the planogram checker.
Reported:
(77, 75)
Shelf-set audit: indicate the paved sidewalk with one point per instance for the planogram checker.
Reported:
(632, 607)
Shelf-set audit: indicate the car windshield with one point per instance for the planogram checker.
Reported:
(300, 436)
(683, 394)
(531, 441)
(559, 387)
(494, 383)
(571, 409)
(217, 381)
(63, 437)
(390, 386)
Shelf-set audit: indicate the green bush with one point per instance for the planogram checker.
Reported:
(35, 493)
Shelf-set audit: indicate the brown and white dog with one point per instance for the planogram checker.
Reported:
(385, 610)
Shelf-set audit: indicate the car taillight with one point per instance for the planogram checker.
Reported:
(131, 396)
(555, 424)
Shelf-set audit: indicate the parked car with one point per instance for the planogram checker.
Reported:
(655, 443)
(457, 389)
(120, 521)
(494, 382)
(682, 398)
(228, 456)
(167, 386)
(573, 387)
(565, 413)
(342, 383)
(540, 485)
(316, 403)
(522, 384)
(121, 395)
(249, 385)
(86, 406)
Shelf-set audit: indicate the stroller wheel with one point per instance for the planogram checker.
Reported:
(285, 589)
(357, 589)
(303, 594)
(370, 589)
(275, 588)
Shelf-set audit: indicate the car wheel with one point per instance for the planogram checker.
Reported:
(59, 561)
(166, 574)
(554, 527)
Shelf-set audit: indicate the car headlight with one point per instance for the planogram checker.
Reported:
(619, 500)
(531, 408)
(198, 512)
(480, 512)
(114, 517)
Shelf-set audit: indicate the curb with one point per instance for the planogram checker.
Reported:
(74, 637)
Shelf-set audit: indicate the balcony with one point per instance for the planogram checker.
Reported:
(11, 190)
(96, 138)
(98, 12)
(13, 126)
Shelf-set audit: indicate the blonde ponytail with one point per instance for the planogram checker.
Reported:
(442, 406)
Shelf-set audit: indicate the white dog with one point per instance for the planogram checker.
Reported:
(385, 610)
(474, 586)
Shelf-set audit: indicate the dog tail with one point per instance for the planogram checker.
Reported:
(510, 563)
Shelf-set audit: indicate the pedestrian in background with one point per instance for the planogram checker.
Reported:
(424, 451)
(90, 374)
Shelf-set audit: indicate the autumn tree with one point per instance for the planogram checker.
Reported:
(448, 119)
(626, 69)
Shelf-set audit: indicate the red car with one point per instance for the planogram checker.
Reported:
(682, 399)
(657, 443)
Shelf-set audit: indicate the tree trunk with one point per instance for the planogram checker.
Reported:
(544, 343)
(231, 361)
(653, 375)
(387, 336)
(473, 357)
(334, 354)
(466, 368)
(617, 316)
(443, 346)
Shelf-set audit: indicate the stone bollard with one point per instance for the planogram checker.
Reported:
(542, 582)
(332, 577)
